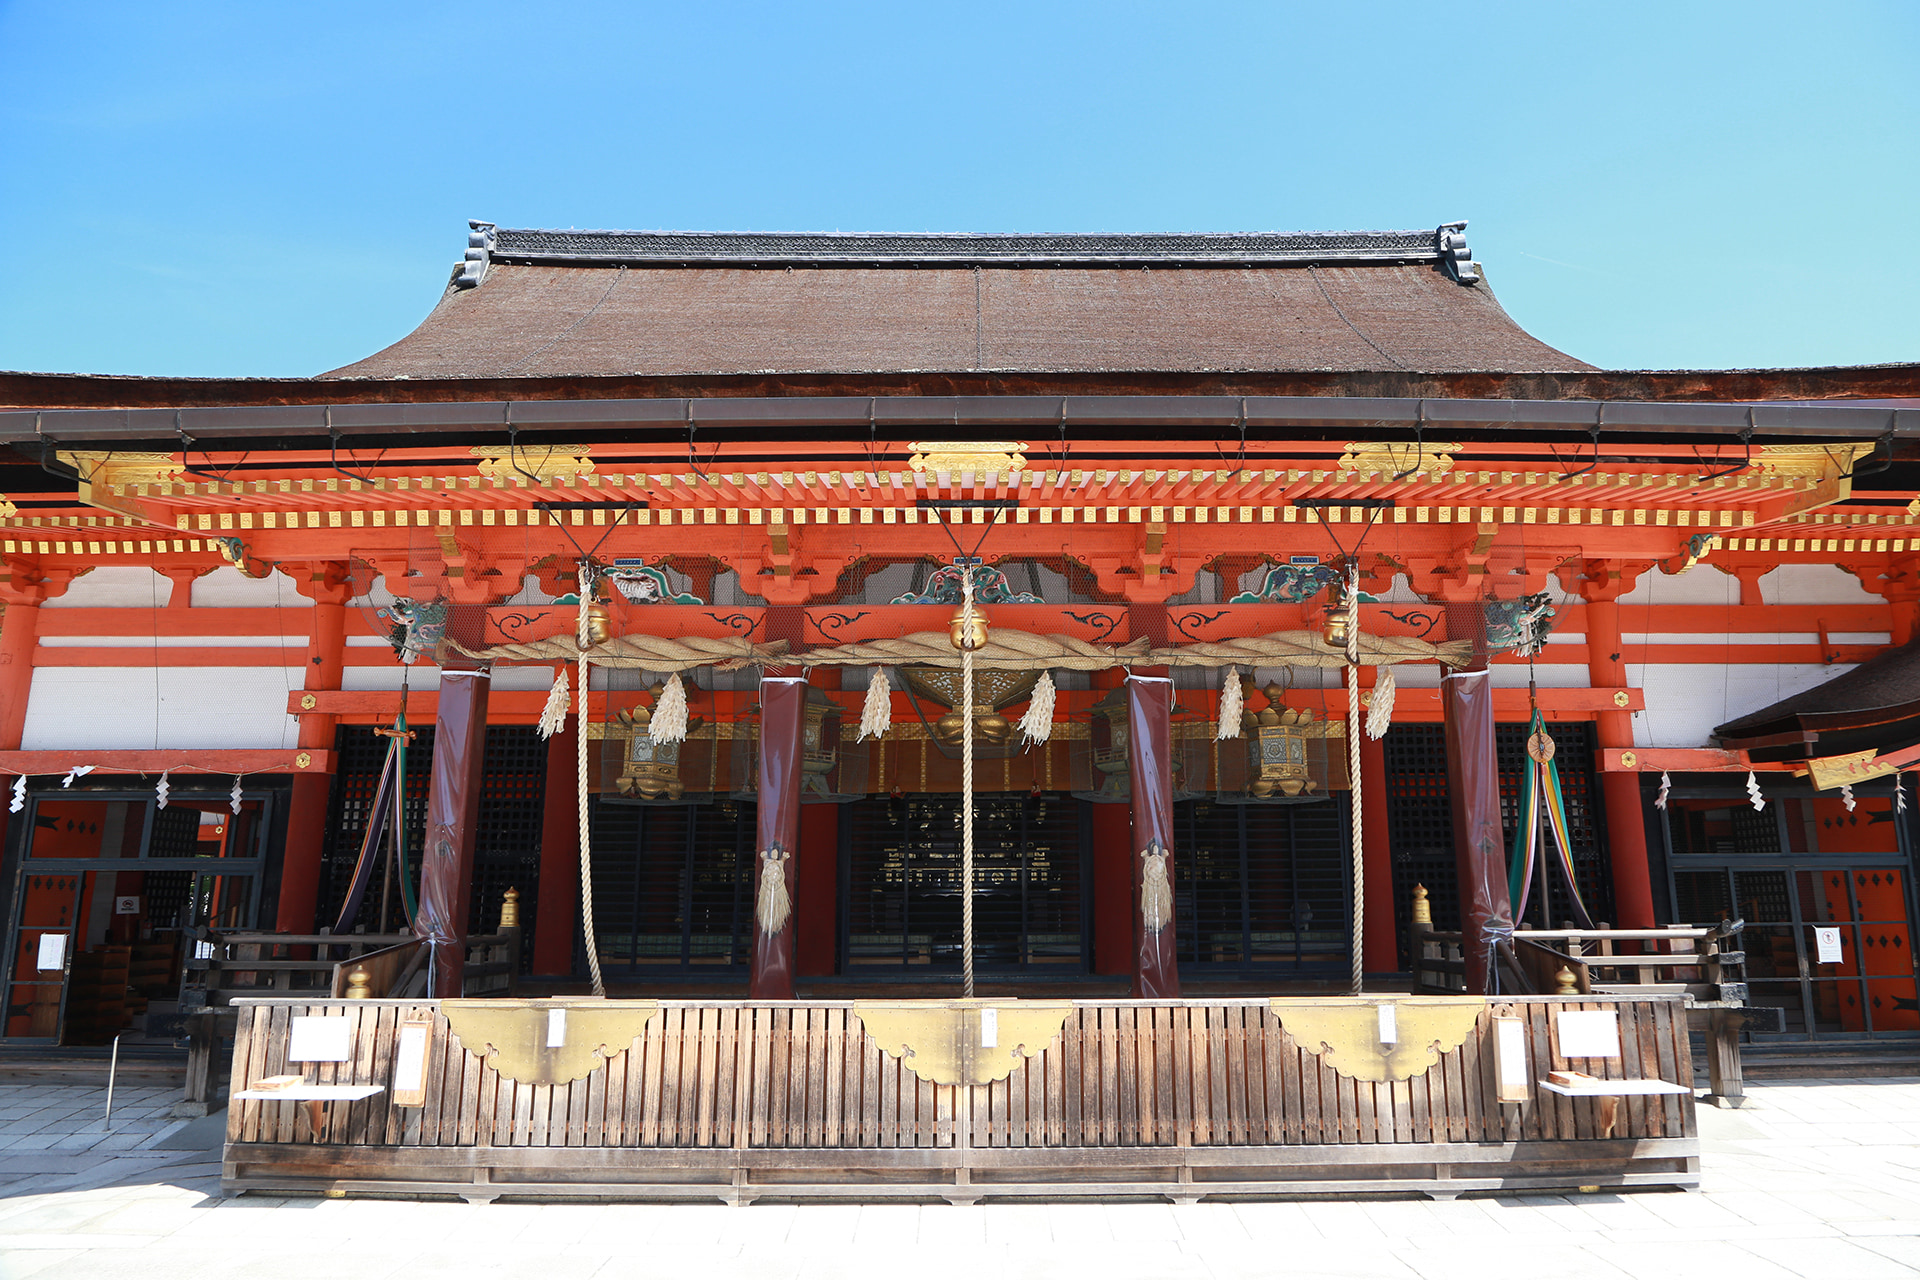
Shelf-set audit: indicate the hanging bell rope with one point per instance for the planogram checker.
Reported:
(1036, 726)
(1233, 704)
(583, 638)
(669, 723)
(877, 715)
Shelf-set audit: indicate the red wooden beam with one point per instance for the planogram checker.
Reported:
(179, 760)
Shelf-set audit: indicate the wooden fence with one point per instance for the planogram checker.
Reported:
(740, 1100)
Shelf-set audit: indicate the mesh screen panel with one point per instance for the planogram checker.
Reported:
(1261, 886)
(1420, 822)
(672, 886)
(901, 872)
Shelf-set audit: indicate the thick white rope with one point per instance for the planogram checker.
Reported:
(966, 784)
(1353, 772)
(585, 583)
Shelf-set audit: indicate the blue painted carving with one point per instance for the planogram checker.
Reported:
(990, 586)
(419, 626)
(1290, 584)
(1520, 625)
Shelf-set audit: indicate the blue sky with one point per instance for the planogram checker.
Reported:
(272, 189)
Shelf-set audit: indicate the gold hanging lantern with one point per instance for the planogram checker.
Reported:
(650, 770)
(1333, 617)
(1279, 750)
(819, 741)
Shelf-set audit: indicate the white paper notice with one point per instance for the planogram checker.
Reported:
(53, 951)
(989, 1028)
(1589, 1033)
(1510, 1059)
(319, 1040)
(1389, 1025)
(1827, 943)
(410, 1060)
(556, 1028)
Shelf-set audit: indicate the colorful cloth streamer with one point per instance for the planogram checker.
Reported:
(1542, 805)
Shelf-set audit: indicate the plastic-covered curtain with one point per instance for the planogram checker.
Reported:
(1156, 971)
(1473, 781)
(453, 814)
(783, 722)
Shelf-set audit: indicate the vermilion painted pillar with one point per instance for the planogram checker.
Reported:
(453, 810)
(783, 722)
(1626, 814)
(1112, 873)
(817, 870)
(327, 586)
(559, 897)
(19, 633)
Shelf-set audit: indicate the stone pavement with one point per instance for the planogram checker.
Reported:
(1813, 1179)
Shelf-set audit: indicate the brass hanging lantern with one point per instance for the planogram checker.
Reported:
(1279, 750)
(819, 742)
(650, 770)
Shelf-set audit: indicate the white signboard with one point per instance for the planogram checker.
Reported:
(989, 1028)
(126, 906)
(53, 952)
(1827, 943)
(319, 1040)
(1510, 1059)
(556, 1028)
(1589, 1033)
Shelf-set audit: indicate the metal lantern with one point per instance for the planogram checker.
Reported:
(650, 770)
(1101, 772)
(819, 742)
(995, 736)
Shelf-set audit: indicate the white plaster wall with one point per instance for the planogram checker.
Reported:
(228, 588)
(1814, 584)
(1685, 702)
(419, 676)
(149, 708)
(130, 586)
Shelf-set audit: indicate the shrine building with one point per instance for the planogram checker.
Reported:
(1192, 497)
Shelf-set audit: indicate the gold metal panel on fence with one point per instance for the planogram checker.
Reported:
(962, 1041)
(1354, 1038)
(547, 1041)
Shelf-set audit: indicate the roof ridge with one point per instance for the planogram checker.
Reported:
(1444, 246)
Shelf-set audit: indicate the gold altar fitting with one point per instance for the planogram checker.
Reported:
(359, 983)
(1422, 908)
(510, 910)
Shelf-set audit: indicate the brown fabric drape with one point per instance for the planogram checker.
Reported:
(1156, 971)
(1473, 782)
(783, 721)
(453, 811)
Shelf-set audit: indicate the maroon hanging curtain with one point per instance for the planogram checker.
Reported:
(1473, 782)
(783, 722)
(1156, 971)
(453, 811)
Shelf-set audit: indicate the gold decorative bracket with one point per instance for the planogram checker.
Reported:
(1346, 1034)
(962, 1041)
(547, 1041)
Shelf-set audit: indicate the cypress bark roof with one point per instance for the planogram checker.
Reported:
(621, 304)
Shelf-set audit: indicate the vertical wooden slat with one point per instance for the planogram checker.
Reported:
(834, 1084)
(873, 1066)
(280, 1122)
(1073, 1074)
(762, 1075)
(1364, 1109)
(1420, 1091)
(1126, 1045)
(651, 1066)
(1109, 1076)
(673, 1074)
(816, 1077)
(1237, 1104)
(1666, 1031)
(888, 1131)
(1200, 1110)
(1218, 1119)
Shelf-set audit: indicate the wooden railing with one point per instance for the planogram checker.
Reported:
(739, 1100)
(226, 965)
(1689, 961)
